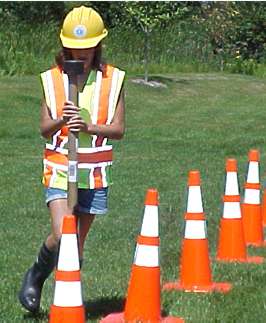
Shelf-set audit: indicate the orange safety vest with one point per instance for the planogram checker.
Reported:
(98, 102)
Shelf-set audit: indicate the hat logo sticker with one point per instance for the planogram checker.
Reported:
(80, 31)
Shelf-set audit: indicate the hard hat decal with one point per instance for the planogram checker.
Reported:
(80, 31)
(82, 28)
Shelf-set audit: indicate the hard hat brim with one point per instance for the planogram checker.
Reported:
(82, 43)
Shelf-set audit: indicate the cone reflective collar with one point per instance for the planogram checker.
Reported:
(195, 227)
(231, 207)
(68, 305)
(195, 269)
(231, 242)
(143, 297)
(251, 207)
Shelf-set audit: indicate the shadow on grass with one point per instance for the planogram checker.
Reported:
(103, 306)
(38, 317)
(168, 80)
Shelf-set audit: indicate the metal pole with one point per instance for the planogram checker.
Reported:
(73, 68)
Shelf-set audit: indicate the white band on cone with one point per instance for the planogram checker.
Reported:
(68, 254)
(253, 172)
(252, 196)
(194, 203)
(195, 229)
(231, 210)
(67, 294)
(150, 227)
(231, 186)
(147, 256)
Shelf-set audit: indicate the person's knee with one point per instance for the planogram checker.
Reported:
(52, 242)
(56, 237)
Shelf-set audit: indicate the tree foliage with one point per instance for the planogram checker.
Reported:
(233, 31)
(32, 12)
(147, 16)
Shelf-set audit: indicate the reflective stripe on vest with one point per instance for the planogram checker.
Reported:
(98, 102)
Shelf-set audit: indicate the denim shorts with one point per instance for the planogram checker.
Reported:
(93, 201)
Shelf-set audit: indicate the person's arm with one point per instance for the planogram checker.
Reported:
(113, 131)
(49, 126)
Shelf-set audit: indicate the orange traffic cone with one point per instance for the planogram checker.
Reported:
(251, 207)
(195, 269)
(68, 306)
(231, 243)
(143, 298)
(263, 207)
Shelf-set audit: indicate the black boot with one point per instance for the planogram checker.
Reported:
(30, 293)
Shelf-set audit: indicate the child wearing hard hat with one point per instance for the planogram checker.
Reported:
(99, 117)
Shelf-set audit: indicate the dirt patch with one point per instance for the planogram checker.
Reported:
(151, 83)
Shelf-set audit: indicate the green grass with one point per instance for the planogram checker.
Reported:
(195, 123)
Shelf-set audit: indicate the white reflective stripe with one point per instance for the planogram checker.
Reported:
(93, 165)
(55, 166)
(121, 75)
(104, 141)
(64, 168)
(195, 229)
(68, 254)
(66, 85)
(54, 139)
(96, 101)
(80, 150)
(93, 141)
(52, 106)
(64, 142)
(231, 186)
(50, 98)
(92, 182)
(57, 149)
(150, 226)
(67, 294)
(53, 177)
(232, 210)
(95, 149)
(147, 256)
(194, 203)
(104, 178)
(252, 196)
(45, 88)
(51, 92)
(111, 99)
(253, 172)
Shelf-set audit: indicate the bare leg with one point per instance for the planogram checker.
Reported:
(58, 209)
(85, 221)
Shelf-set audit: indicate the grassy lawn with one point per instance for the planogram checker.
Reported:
(197, 122)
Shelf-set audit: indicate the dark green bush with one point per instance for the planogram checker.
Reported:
(208, 36)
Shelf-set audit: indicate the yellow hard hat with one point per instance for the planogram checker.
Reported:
(82, 28)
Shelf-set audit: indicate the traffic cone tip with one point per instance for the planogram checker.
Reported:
(69, 224)
(231, 165)
(152, 197)
(194, 178)
(254, 155)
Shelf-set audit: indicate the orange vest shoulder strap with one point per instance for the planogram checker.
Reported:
(104, 94)
(58, 83)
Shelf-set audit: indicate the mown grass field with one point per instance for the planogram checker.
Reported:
(194, 123)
